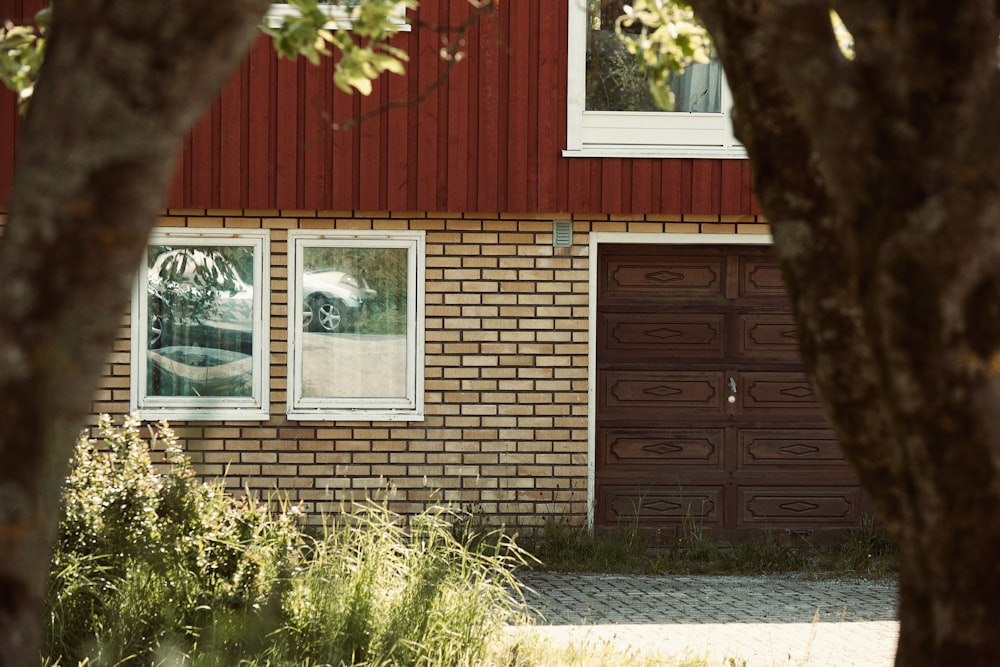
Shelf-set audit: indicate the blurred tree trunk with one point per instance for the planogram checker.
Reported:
(122, 83)
(881, 179)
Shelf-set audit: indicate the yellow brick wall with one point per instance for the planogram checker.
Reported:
(506, 328)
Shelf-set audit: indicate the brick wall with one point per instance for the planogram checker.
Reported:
(506, 366)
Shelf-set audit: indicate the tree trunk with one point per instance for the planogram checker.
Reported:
(881, 179)
(122, 83)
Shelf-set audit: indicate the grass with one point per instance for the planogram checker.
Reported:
(865, 552)
(526, 648)
(160, 568)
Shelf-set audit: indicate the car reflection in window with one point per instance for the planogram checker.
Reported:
(334, 300)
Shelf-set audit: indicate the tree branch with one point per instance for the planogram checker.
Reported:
(451, 53)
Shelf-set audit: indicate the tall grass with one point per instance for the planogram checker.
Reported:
(157, 567)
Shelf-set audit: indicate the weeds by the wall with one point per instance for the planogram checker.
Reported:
(158, 567)
(559, 546)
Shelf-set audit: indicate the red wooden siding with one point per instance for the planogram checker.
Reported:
(8, 154)
(18, 11)
(489, 140)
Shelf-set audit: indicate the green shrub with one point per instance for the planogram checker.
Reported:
(157, 567)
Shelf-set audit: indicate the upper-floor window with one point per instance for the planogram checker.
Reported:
(199, 332)
(610, 111)
(341, 14)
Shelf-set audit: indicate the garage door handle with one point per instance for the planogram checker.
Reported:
(732, 385)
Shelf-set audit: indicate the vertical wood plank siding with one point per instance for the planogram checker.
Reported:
(8, 149)
(489, 139)
(17, 11)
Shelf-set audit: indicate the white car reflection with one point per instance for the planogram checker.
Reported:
(333, 300)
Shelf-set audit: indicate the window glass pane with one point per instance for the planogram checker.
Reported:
(354, 322)
(199, 334)
(616, 83)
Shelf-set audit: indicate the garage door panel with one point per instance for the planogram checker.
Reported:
(679, 277)
(770, 335)
(666, 447)
(666, 391)
(762, 391)
(633, 335)
(786, 448)
(660, 504)
(760, 277)
(812, 506)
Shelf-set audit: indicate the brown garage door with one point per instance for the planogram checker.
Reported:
(704, 414)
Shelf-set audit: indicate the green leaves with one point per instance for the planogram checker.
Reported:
(358, 30)
(669, 39)
(360, 65)
(304, 34)
(22, 50)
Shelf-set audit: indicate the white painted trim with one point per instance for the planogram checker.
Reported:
(596, 238)
(340, 16)
(576, 75)
(629, 151)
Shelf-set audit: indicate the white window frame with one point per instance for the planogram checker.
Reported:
(407, 408)
(192, 408)
(632, 133)
(341, 16)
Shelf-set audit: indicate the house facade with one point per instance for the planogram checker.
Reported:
(513, 296)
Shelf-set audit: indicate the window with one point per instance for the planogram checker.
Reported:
(610, 112)
(356, 325)
(340, 14)
(199, 336)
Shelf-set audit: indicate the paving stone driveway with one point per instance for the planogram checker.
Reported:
(561, 599)
(760, 620)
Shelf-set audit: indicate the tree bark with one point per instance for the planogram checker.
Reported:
(122, 83)
(880, 177)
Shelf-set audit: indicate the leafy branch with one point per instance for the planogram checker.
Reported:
(22, 50)
(451, 53)
(670, 38)
(362, 40)
(360, 31)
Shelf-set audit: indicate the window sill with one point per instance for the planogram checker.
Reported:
(709, 152)
(203, 414)
(359, 415)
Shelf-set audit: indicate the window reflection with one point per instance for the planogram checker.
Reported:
(200, 321)
(615, 82)
(354, 322)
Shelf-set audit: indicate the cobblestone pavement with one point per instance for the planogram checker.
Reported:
(760, 620)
